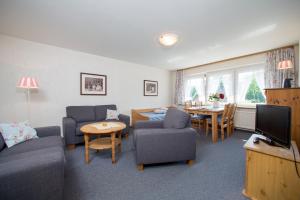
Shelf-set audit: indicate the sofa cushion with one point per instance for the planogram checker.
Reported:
(81, 113)
(15, 133)
(30, 154)
(102, 110)
(2, 142)
(79, 125)
(33, 145)
(176, 119)
(112, 114)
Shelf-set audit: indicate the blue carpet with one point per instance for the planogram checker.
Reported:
(218, 173)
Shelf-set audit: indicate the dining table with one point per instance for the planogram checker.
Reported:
(210, 111)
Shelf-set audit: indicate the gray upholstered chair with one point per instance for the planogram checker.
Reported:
(78, 116)
(169, 140)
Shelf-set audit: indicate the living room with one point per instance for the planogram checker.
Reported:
(188, 88)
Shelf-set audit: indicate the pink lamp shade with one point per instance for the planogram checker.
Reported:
(28, 83)
(285, 64)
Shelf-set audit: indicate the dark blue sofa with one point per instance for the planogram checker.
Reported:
(78, 116)
(33, 169)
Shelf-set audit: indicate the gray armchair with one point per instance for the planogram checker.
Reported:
(169, 140)
(78, 116)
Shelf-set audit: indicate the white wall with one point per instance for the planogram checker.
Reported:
(58, 73)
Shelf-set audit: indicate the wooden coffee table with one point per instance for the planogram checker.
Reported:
(108, 129)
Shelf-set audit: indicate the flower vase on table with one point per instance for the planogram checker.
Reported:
(215, 99)
(216, 104)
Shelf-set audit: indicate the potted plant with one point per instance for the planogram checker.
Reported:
(216, 98)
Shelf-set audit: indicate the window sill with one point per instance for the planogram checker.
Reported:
(247, 106)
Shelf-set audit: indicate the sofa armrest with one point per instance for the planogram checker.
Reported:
(48, 131)
(125, 119)
(148, 124)
(69, 129)
(25, 178)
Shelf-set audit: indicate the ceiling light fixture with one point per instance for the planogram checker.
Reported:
(168, 39)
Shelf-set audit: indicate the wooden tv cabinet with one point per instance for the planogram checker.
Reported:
(270, 172)
(287, 97)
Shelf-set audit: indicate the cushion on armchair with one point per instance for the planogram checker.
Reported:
(176, 119)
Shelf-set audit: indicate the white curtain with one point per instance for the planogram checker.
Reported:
(273, 76)
(179, 88)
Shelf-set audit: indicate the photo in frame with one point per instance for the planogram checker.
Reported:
(93, 84)
(150, 88)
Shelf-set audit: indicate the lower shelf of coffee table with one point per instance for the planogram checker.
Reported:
(103, 143)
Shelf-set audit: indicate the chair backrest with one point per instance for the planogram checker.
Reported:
(225, 113)
(232, 111)
(176, 119)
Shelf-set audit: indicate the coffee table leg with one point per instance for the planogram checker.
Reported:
(86, 141)
(120, 144)
(113, 146)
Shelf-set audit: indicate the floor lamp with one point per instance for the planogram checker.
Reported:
(28, 83)
(284, 65)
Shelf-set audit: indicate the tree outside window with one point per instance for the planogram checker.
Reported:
(254, 93)
(194, 94)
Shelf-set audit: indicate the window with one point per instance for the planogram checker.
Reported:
(250, 82)
(195, 89)
(241, 85)
(221, 82)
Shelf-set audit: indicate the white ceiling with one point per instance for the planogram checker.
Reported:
(209, 30)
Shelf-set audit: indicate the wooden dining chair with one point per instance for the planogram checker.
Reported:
(223, 121)
(198, 120)
(231, 113)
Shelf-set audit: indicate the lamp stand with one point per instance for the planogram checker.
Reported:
(28, 104)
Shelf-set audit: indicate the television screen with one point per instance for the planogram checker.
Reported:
(274, 122)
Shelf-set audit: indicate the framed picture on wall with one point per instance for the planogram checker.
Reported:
(150, 88)
(93, 84)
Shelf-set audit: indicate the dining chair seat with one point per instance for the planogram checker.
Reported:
(208, 120)
(197, 116)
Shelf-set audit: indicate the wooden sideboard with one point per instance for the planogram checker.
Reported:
(287, 97)
(270, 172)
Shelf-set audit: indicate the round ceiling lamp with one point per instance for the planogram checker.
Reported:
(168, 39)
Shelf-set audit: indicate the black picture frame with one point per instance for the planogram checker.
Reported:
(150, 88)
(93, 84)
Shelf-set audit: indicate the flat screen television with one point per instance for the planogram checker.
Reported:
(274, 122)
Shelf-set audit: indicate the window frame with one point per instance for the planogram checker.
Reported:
(235, 72)
(194, 76)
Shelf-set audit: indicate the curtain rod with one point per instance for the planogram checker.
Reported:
(243, 56)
